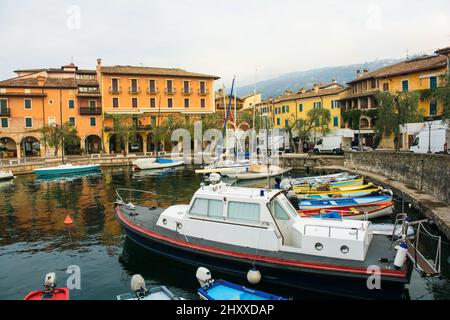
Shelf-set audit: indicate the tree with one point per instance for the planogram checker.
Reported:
(394, 111)
(316, 120)
(442, 94)
(125, 131)
(54, 134)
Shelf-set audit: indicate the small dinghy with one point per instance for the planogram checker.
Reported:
(338, 193)
(343, 176)
(155, 163)
(223, 290)
(259, 171)
(356, 212)
(342, 202)
(140, 291)
(6, 175)
(66, 169)
(50, 291)
(226, 167)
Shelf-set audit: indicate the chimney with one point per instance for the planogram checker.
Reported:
(333, 81)
(41, 80)
(358, 74)
(316, 88)
(99, 63)
(287, 92)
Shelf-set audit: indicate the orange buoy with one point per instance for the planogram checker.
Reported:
(68, 220)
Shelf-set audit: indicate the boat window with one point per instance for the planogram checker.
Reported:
(207, 208)
(279, 212)
(244, 211)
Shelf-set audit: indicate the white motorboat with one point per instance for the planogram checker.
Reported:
(66, 169)
(155, 163)
(6, 175)
(226, 167)
(257, 233)
(259, 171)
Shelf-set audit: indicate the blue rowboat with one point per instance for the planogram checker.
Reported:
(224, 290)
(66, 169)
(339, 202)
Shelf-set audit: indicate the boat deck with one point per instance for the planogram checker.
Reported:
(378, 253)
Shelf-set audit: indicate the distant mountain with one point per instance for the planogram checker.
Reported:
(296, 80)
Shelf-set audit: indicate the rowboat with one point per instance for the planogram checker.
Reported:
(66, 169)
(337, 193)
(343, 176)
(354, 212)
(50, 292)
(274, 171)
(226, 167)
(342, 202)
(155, 163)
(224, 290)
(140, 291)
(341, 183)
(332, 187)
(6, 175)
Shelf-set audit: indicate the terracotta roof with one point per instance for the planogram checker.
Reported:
(153, 72)
(22, 82)
(443, 50)
(407, 66)
(57, 70)
(309, 94)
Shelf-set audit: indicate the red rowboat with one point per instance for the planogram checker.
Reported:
(355, 212)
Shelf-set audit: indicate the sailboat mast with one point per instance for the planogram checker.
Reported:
(61, 121)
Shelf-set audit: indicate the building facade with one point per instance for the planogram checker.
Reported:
(418, 74)
(290, 107)
(89, 100)
(40, 97)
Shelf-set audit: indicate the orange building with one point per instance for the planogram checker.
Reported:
(39, 97)
(147, 96)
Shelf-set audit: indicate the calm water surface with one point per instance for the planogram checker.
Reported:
(35, 241)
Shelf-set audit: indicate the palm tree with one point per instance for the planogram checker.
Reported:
(54, 136)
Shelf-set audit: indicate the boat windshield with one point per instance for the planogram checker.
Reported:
(282, 209)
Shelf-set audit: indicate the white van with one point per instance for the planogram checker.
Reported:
(437, 140)
(329, 145)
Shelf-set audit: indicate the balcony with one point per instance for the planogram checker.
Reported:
(203, 92)
(187, 92)
(170, 91)
(5, 112)
(134, 90)
(115, 90)
(152, 90)
(87, 111)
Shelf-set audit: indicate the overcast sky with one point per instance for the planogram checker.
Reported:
(220, 37)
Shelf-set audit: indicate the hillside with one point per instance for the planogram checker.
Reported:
(296, 80)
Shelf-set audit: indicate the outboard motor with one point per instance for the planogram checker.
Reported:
(49, 282)
(214, 178)
(138, 286)
(204, 277)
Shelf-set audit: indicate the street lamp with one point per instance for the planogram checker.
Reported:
(429, 119)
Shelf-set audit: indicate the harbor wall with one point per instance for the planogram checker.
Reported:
(429, 173)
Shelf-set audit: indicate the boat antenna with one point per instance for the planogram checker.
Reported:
(267, 153)
(229, 106)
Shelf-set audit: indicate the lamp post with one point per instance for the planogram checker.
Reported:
(429, 119)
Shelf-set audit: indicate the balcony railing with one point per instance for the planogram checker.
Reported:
(5, 112)
(203, 92)
(135, 90)
(171, 91)
(187, 92)
(115, 90)
(152, 90)
(88, 111)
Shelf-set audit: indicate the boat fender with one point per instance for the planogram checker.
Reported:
(400, 257)
(49, 282)
(254, 276)
(138, 285)
(204, 277)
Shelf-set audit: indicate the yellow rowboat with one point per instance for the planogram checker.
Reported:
(338, 194)
(331, 188)
(347, 183)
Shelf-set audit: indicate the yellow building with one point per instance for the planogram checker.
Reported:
(39, 97)
(290, 107)
(416, 74)
(147, 96)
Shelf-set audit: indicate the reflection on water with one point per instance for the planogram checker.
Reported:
(34, 239)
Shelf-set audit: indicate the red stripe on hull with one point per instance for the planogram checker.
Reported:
(287, 262)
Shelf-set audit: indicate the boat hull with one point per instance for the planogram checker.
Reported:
(66, 170)
(6, 176)
(56, 294)
(329, 282)
(156, 165)
(258, 175)
(361, 214)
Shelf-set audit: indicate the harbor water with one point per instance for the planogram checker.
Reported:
(34, 239)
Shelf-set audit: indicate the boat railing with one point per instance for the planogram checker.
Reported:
(130, 191)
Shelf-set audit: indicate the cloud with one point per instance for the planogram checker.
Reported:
(221, 37)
